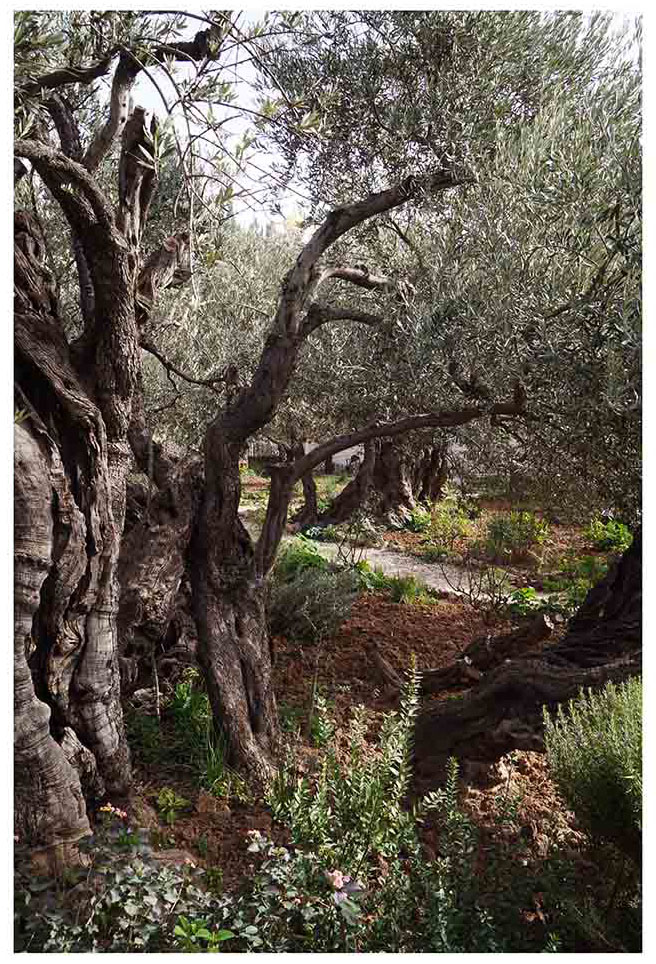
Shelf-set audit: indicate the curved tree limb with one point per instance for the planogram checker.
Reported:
(68, 75)
(205, 382)
(58, 170)
(318, 315)
(445, 419)
(286, 476)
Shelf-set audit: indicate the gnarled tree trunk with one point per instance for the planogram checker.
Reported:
(50, 808)
(78, 399)
(431, 473)
(228, 600)
(392, 480)
(353, 495)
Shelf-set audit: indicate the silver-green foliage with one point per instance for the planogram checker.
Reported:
(311, 604)
(594, 747)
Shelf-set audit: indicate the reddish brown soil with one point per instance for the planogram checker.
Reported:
(435, 634)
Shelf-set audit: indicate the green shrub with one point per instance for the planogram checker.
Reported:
(594, 748)
(449, 522)
(574, 579)
(328, 533)
(355, 809)
(523, 602)
(298, 555)
(124, 901)
(311, 605)
(512, 535)
(419, 519)
(610, 536)
(353, 820)
(371, 579)
(406, 589)
(170, 805)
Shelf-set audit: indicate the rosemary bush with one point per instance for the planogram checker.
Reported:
(594, 747)
(310, 605)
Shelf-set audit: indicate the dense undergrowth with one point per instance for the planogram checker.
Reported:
(356, 875)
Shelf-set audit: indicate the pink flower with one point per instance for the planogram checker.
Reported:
(336, 879)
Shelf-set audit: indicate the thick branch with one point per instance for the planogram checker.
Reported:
(119, 107)
(66, 125)
(360, 277)
(169, 266)
(57, 171)
(257, 403)
(444, 419)
(68, 75)
(318, 315)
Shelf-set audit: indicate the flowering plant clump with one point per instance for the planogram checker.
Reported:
(343, 885)
(113, 811)
(122, 835)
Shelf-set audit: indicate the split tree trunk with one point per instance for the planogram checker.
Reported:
(504, 711)
(431, 473)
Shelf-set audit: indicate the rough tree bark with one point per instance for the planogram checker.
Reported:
(430, 473)
(392, 480)
(78, 399)
(504, 711)
(355, 493)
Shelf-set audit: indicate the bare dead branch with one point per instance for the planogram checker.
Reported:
(210, 383)
(124, 77)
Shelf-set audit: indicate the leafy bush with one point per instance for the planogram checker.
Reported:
(523, 602)
(513, 535)
(170, 805)
(330, 533)
(352, 829)
(407, 589)
(594, 748)
(419, 519)
(574, 579)
(124, 900)
(449, 522)
(355, 809)
(371, 579)
(311, 605)
(298, 555)
(610, 536)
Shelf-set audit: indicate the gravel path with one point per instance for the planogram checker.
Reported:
(438, 576)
